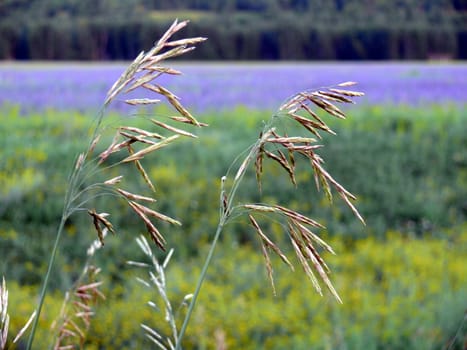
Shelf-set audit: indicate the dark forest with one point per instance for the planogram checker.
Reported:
(237, 29)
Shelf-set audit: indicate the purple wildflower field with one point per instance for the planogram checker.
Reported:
(220, 86)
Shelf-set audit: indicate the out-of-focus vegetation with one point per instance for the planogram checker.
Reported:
(402, 278)
(402, 293)
(237, 29)
(407, 166)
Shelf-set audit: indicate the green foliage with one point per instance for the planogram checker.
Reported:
(402, 293)
(406, 165)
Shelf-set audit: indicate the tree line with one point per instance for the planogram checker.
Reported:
(237, 29)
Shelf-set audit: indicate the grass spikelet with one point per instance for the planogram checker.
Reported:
(186, 120)
(98, 220)
(347, 83)
(173, 100)
(25, 327)
(298, 247)
(125, 78)
(80, 160)
(141, 170)
(173, 129)
(132, 196)
(94, 144)
(77, 310)
(294, 139)
(155, 214)
(312, 114)
(269, 270)
(145, 151)
(184, 42)
(175, 27)
(152, 230)
(335, 97)
(307, 253)
(328, 107)
(352, 207)
(311, 236)
(284, 163)
(241, 170)
(4, 317)
(142, 101)
(259, 166)
(149, 76)
(347, 92)
(161, 69)
(269, 243)
(135, 138)
(114, 147)
(318, 267)
(298, 217)
(142, 132)
(261, 208)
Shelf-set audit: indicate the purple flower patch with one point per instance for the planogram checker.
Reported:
(220, 86)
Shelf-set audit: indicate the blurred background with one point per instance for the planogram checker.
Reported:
(402, 152)
(237, 29)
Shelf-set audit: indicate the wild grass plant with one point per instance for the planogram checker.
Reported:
(132, 145)
(138, 143)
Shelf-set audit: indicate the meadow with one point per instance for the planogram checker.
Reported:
(212, 87)
(402, 151)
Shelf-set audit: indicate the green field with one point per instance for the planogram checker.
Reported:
(402, 277)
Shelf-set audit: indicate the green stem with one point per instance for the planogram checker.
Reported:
(225, 212)
(200, 282)
(69, 198)
(46, 281)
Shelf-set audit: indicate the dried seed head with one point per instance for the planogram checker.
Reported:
(186, 120)
(334, 97)
(93, 144)
(80, 161)
(141, 101)
(268, 266)
(269, 243)
(297, 245)
(141, 170)
(173, 129)
(173, 100)
(4, 317)
(98, 220)
(149, 64)
(157, 215)
(310, 235)
(140, 154)
(347, 92)
(259, 166)
(132, 196)
(293, 139)
(142, 212)
(347, 83)
(298, 217)
(260, 208)
(114, 181)
(142, 132)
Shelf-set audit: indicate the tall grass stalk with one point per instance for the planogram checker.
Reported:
(272, 145)
(140, 74)
(131, 145)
